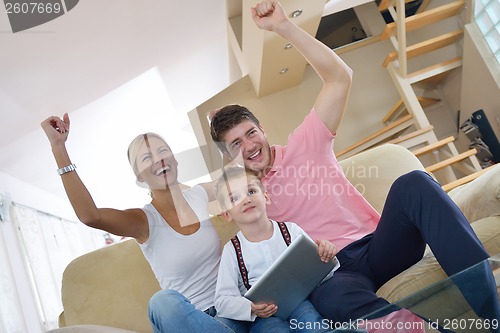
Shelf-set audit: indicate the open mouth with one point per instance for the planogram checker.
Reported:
(163, 170)
(255, 155)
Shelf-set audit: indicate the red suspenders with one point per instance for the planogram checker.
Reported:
(239, 256)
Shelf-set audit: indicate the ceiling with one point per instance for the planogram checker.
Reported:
(94, 48)
(73, 62)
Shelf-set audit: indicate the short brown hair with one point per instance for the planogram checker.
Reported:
(225, 119)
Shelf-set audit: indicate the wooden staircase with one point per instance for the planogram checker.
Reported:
(399, 108)
(380, 136)
(396, 122)
(396, 63)
(446, 163)
(425, 18)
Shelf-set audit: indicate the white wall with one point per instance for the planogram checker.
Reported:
(31, 196)
(22, 297)
(481, 86)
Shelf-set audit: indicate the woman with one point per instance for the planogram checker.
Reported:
(183, 252)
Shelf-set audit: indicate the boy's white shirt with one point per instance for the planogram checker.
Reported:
(258, 257)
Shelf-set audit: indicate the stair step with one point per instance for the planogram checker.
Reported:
(451, 160)
(399, 107)
(411, 135)
(380, 135)
(426, 46)
(384, 4)
(466, 179)
(425, 18)
(434, 74)
(433, 146)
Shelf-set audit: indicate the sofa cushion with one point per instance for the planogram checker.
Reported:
(428, 271)
(481, 197)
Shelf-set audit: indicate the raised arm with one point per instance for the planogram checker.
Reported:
(336, 75)
(130, 223)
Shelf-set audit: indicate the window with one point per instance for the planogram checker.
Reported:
(487, 16)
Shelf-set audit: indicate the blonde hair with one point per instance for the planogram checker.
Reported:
(133, 150)
(223, 183)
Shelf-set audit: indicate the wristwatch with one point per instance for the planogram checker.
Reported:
(66, 169)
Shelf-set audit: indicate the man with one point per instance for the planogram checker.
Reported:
(373, 248)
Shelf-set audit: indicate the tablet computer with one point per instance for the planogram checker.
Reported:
(292, 277)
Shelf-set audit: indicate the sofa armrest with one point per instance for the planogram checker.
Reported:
(372, 172)
(90, 329)
(109, 287)
(61, 322)
(112, 286)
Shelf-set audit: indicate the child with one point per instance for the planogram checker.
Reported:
(243, 200)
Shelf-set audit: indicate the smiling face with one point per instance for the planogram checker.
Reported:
(154, 162)
(242, 198)
(249, 140)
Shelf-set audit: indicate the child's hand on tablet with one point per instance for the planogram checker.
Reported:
(326, 250)
(264, 310)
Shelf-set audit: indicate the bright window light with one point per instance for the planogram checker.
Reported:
(487, 16)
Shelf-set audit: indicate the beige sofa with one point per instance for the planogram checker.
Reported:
(108, 290)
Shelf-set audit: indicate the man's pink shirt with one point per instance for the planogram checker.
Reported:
(307, 186)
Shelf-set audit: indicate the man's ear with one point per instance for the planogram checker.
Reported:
(227, 216)
(262, 129)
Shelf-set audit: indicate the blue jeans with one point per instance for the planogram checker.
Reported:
(170, 311)
(417, 212)
(304, 319)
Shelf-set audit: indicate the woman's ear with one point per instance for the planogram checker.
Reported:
(227, 216)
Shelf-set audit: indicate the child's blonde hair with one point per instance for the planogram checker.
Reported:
(230, 173)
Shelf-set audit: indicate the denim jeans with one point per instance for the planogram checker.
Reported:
(304, 319)
(417, 212)
(170, 311)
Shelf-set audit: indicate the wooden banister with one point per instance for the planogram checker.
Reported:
(398, 106)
